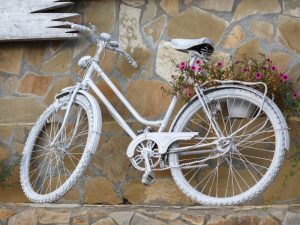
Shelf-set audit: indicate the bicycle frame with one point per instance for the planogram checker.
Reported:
(158, 123)
(87, 83)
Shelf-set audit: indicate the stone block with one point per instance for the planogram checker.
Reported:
(250, 7)
(102, 14)
(147, 97)
(269, 221)
(150, 11)
(27, 217)
(225, 5)
(245, 220)
(262, 29)
(139, 219)
(105, 221)
(6, 213)
(12, 192)
(11, 58)
(111, 152)
(197, 220)
(72, 195)
(80, 221)
(81, 45)
(134, 192)
(155, 28)
(291, 8)
(218, 220)
(195, 23)
(57, 87)
(283, 186)
(134, 3)
(3, 153)
(34, 54)
(108, 62)
(294, 74)
(250, 49)
(14, 105)
(10, 85)
(289, 29)
(100, 190)
(280, 59)
(233, 39)
(122, 218)
(58, 64)
(223, 57)
(114, 100)
(171, 7)
(166, 55)
(6, 132)
(48, 216)
(291, 218)
(165, 191)
(32, 83)
(131, 40)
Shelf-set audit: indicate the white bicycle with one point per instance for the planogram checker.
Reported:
(224, 147)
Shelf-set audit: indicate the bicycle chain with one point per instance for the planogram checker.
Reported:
(190, 163)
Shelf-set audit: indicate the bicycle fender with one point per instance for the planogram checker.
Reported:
(242, 87)
(96, 109)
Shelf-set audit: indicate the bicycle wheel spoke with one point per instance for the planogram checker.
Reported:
(52, 163)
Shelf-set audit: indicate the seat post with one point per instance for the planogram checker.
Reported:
(193, 55)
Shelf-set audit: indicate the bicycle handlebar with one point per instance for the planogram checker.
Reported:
(130, 60)
(89, 31)
(81, 28)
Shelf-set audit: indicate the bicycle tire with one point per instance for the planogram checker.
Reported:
(54, 157)
(197, 191)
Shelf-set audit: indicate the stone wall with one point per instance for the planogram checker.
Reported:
(31, 73)
(34, 214)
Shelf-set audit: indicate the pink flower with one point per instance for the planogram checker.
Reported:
(265, 67)
(273, 68)
(196, 68)
(198, 61)
(245, 70)
(268, 60)
(258, 75)
(220, 64)
(182, 66)
(295, 95)
(284, 77)
(188, 93)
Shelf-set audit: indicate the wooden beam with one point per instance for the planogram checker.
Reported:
(20, 20)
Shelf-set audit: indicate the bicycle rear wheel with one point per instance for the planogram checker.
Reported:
(49, 170)
(255, 156)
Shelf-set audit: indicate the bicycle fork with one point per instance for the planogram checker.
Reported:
(74, 93)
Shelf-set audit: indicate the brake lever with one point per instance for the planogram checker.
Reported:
(93, 27)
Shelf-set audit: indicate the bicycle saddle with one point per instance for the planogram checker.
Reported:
(201, 45)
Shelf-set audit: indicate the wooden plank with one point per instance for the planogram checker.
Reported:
(19, 20)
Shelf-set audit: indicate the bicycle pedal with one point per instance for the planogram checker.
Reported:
(148, 178)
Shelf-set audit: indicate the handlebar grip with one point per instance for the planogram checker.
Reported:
(130, 60)
(81, 28)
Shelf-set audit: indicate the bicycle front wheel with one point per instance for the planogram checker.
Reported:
(49, 170)
(253, 159)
